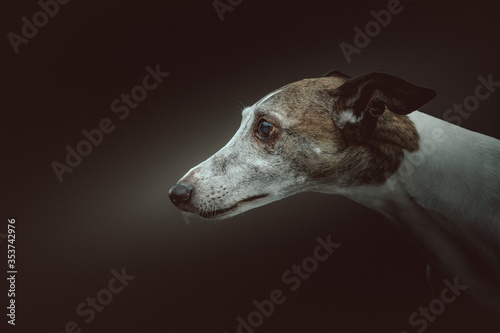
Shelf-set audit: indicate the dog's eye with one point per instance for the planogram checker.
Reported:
(265, 129)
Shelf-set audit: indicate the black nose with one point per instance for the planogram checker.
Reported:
(179, 193)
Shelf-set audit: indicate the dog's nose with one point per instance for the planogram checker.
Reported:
(179, 193)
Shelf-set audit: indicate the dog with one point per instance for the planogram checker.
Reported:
(364, 138)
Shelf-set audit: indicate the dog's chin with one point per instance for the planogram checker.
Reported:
(224, 213)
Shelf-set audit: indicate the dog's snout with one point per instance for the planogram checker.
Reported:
(180, 193)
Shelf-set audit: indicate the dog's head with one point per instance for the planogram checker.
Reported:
(312, 135)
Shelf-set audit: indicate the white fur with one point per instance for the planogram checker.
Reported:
(461, 177)
(347, 116)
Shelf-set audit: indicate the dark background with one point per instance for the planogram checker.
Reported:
(113, 210)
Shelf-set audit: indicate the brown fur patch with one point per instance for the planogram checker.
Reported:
(374, 158)
(349, 156)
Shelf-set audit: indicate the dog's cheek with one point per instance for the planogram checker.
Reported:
(296, 157)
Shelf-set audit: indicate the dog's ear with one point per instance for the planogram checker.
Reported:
(337, 74)
(363, 99)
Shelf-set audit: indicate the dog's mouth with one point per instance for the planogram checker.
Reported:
(220, 212)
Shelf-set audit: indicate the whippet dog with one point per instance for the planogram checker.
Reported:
(363, 138)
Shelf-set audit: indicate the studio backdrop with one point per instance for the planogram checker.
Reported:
(107, 104)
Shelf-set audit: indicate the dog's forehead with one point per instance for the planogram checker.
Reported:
(297, 96)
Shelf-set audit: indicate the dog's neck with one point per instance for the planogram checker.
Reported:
(446, 197)
(453, 172)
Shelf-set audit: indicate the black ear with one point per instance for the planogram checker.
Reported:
(365, 98)
(337, 74)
